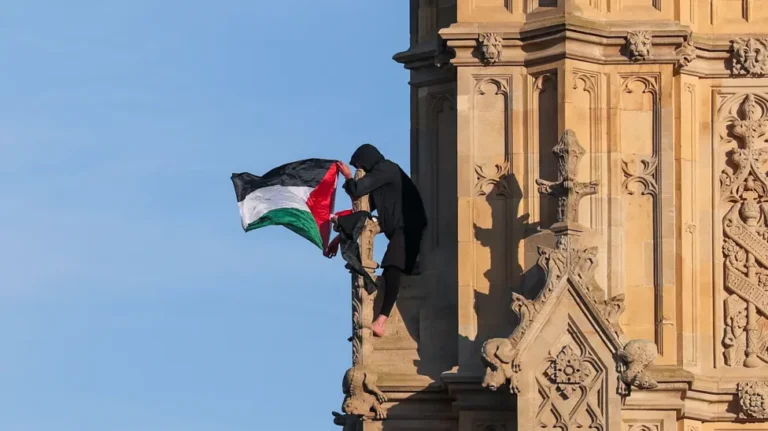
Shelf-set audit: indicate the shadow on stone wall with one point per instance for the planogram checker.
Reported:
(432, 407)
(505, 273)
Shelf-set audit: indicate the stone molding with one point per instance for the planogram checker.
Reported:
(606, 43)
(695, 397)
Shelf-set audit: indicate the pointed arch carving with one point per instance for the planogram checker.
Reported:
(502, 86)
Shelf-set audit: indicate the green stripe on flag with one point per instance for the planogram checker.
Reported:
(300, 221)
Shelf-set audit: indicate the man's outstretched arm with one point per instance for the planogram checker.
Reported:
(368, 183)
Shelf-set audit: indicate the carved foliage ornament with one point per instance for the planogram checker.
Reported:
(570, 394)
(745, 231)
(750, 56)
(492, 177)
(753, 400)
(490, 47)
(639, 44)
(640, 174)
(568, 371)
(686, 53)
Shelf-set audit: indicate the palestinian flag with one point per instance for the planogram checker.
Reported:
(298, 195)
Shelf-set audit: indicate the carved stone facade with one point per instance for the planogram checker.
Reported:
(594, 174)
(745, 232)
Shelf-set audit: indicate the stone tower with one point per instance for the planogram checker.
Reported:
(597, 256)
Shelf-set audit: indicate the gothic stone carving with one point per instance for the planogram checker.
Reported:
(753, 400)
(568, 371)
(500, 354)
(631, 362)
(491, 47)
(567, 260)
(745, 231)
(361, 396)
(686, 53)
(639, 45)
(750, 56)
(567, 190)
(640, 174)
(570, 395)
(490, 177)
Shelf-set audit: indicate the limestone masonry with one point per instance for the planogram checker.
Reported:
(594, 173)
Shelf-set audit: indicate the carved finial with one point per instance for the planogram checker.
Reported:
(639, 45)
(750, 56)
(491, 47)
(754, 124)
(567, 189)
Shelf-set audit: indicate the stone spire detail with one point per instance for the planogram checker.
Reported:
(568, 264)
(568, 190)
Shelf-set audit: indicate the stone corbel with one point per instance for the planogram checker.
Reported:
(639, 44)
(491, 47)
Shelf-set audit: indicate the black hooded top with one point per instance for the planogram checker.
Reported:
(391, 191)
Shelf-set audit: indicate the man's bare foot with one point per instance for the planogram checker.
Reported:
(377, 327)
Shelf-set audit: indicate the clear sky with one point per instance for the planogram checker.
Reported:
(130, 297)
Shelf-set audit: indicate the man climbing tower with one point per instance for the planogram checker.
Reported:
(401, 216)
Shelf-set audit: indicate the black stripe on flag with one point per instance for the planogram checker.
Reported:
(303, 173)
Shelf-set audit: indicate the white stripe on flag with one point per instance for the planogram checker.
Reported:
(271, 198)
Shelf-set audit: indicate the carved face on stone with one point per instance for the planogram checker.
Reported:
(639, 45)
(493, 380)
(491, 46)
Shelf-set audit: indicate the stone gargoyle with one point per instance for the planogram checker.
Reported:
(500, 354)
(501, 364)
(631, 363)
(361, 395)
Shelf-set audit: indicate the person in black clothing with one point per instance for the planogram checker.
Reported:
(401, 217)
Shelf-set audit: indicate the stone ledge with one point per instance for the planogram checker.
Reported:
(571, 37)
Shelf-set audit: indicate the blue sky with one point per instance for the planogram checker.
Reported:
(130, 298)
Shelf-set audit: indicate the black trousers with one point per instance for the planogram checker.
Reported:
(400, 258)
